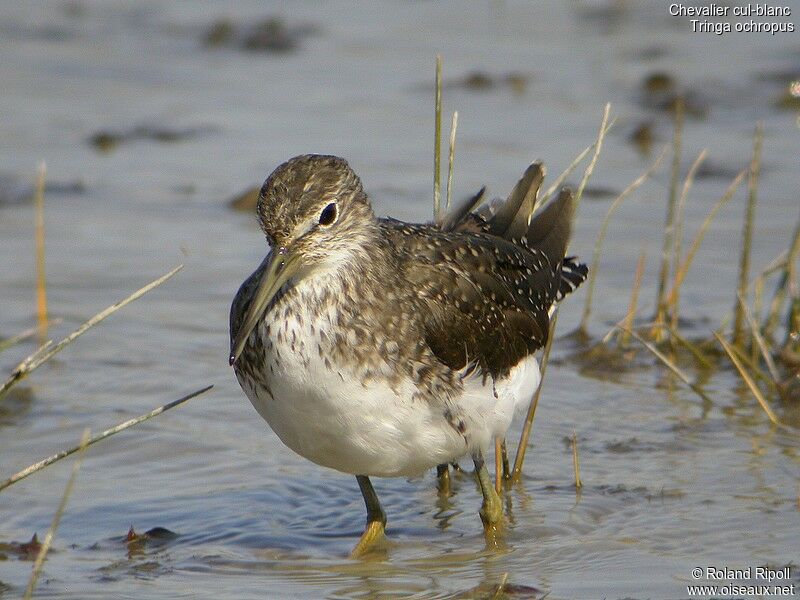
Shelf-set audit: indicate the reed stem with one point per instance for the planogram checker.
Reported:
(522, 446)
(632, 187)
(729, 350)
(41, 277)
(107, 433)
(437, 143)
(663, 273)
(627, 322)
(678, 233)
(682, 269)
(51, 532)
(738, 336)
(576, 465)
(598, 146)
(48, 350)
(450, 158)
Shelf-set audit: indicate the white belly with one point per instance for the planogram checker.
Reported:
(329, 417)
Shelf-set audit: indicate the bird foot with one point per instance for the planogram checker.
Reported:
(443, 479)
(492, 513)
(373, 535)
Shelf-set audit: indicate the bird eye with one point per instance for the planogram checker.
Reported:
(328, 214)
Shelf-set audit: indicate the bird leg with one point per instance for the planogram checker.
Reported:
(498, 465)
(376, 519)
(492, 509)
(506, 465)
(443, 478)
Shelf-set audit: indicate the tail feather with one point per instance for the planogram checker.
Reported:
(460, 217)
(551, 227)
(512, 218)
(548, 230)
(573, 273)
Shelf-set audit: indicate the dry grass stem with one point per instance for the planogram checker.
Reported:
(437, 143)
(522, 447)
(748, 362)
(499, 593)
(663, 273)
(762, 345)
(107, 433)
(24, 335)
(559, 181)
(695, 351)
(48, 539)
(601, 235)
(683, 268)
(670, 365)
(575, 462)
(747, 379)
(627, 322)
(47, 351)
(41, 277)
(677, 236)
(747, 236)
(598, 146)
(758, 296)
(450, 158)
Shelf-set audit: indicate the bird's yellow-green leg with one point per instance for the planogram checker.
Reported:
(443, 478)
(492, 509)
(376, 519)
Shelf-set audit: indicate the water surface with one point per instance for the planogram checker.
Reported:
(669, 483)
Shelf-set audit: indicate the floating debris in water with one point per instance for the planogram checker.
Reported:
(599, 192)
(246, 200)
(107, 140)
(661, 92)
(271, 34)
(790, 98)
(23, 550)
(481, 81)
(16, 190)
(642, 137)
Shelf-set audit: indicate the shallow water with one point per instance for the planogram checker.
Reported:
(669, 483)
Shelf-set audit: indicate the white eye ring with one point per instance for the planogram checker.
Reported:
(328, 215)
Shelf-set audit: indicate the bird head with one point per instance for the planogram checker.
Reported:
(317, 218)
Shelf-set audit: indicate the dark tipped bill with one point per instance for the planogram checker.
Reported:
(283, 265)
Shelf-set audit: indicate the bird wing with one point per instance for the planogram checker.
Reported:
(483, 300)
